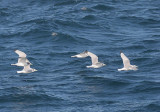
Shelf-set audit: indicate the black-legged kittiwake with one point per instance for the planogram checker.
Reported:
(22, 58)
(126, 63)
(95, 63)
(27, 69)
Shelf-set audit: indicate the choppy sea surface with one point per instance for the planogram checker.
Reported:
(64, 84)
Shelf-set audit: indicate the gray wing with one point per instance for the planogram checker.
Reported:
(20, 53)
(22, 60)
(27, 68)
(94, 58)
(81, 55)
(126, 61)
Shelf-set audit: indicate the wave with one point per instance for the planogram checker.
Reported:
(150, 22)
(27, 97)
(66, 2)
(151, 51)
(71, 39)
(22, 94)
(152, 87)
(131, 47)
(37, 20)
(131, 18)
(4, 13)
(139, 20)
(151, 41)
(153, 107)
(111, 83)
(89, 17)
(103, 7)
(68, 23)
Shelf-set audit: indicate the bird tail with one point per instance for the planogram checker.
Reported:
(13, 64)
(89, 66)
(122, 69)
(134, 67)
(119, 69)
(19, 72)
(73, 56)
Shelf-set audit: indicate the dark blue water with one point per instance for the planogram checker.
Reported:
(64, 84)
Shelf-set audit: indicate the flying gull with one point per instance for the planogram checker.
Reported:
(126, 63)
(95, 63)
(27, 69)
(22, 60)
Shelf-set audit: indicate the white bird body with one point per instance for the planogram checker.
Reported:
(18, 64)
(27, 69)
(95, 63)
(126, 63)
(22, 60)
(81, 55)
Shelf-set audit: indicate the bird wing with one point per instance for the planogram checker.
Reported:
(22, 60)
(94, 58)
(81, 55)
(28, 61)
(126, 61)
(27, 67)
(20, 53)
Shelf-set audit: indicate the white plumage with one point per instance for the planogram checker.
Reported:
(22, 60)
(81, 55)
(27, 69)
(95, 63)
(126, 63)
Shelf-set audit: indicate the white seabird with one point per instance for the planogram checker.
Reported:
(83, 8)
(95, 63)
(22, 60)
(54, 34)
(81, 55)
(27, 69)
(126, 63)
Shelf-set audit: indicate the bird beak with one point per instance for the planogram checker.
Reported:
(35, 70)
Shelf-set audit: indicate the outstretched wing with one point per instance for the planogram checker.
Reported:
(81, 55)
(126, 61)
(27, 67)
(20, 53)
(22, 60)
(28, 61)
(94, 58)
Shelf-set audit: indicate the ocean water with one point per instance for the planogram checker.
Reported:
(64, 84)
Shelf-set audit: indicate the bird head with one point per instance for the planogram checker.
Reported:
(35, 70)
(85, 51)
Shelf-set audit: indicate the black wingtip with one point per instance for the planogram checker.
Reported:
(28, 63)
(120, 52)
(85, 51)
